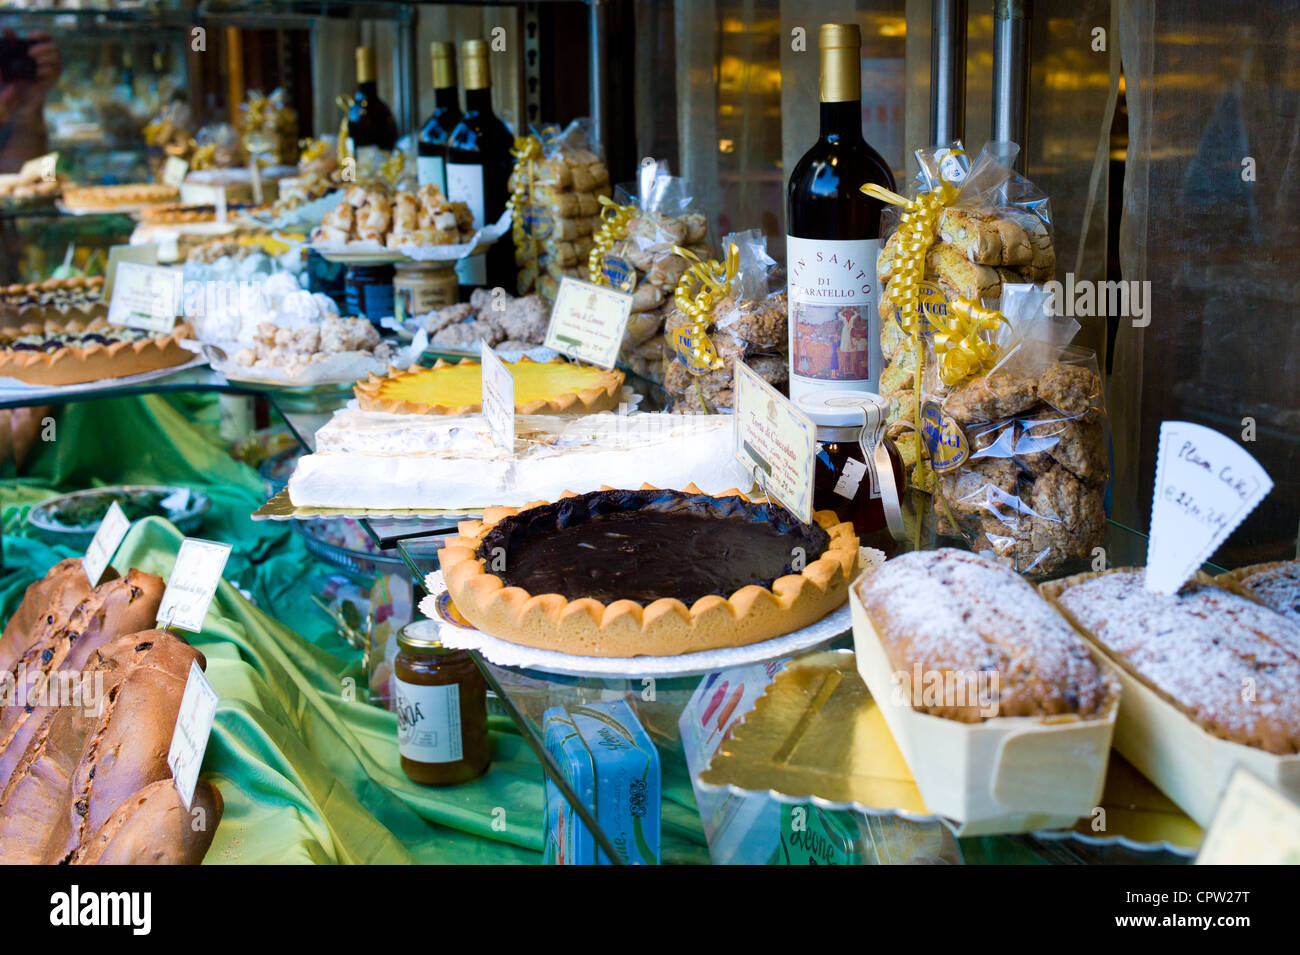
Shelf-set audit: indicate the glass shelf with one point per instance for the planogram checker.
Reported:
(659, 703)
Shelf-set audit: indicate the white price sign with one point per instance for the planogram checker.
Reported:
(107, 539)
(174, 170)
(193, 726)
(1206, 484)
(498, 398)
(588, 322)
(146, 296)
(193, 583)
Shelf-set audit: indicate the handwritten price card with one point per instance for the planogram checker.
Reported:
(1206, 484)
(193, 583)
(775, 442)
(588, 322)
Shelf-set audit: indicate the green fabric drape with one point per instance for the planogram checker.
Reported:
(308, 771)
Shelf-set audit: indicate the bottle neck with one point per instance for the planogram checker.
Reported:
(368, 89)
(842, 122)
(479, 101)
(445, 99)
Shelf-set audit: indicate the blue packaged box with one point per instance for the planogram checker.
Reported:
(606, 757)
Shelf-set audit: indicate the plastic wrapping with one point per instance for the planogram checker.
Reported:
(748, 324)
(557, 184)
(995, 232)
(1020, 452)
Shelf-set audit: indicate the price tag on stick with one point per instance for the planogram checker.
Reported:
(193, 583)
(776, 441)
(108, 537)
(190, 737)
(1206, 484)
(498, 398)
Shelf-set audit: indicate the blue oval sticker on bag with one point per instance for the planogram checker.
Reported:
(944, 440)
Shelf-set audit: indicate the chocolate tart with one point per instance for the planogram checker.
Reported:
(551, 387)
(72, 352)
(621, 573)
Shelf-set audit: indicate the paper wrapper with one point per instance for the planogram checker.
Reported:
(444, 622)
(1189, 765)
(481, 239)
(1007, 774)
(335, 368)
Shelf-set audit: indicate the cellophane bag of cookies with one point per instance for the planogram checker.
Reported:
(644, 264)
(1019, 452)
(553, 236)
(996, 232)
(749, 325)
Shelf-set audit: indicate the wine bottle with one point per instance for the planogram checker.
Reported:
(478, 172)
(370, 121)
(833, 235)
(431, 143)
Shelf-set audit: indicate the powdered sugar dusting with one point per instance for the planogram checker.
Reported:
(1279, 587)
(949, 610)
(1231, 664)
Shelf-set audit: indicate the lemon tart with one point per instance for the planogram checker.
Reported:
(550, 387)
(622, 573)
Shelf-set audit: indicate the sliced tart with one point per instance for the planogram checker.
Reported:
(621, 573)
(550, 387)
(72, 352)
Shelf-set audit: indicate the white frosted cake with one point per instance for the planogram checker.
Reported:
(375, 461)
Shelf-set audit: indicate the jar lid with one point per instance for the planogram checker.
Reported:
(840, 408)
(416, 639)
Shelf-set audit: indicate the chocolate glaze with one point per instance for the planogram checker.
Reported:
(643, 545)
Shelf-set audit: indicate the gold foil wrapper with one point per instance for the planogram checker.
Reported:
(818, 734)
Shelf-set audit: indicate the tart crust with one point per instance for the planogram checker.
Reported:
(72, 365)
(604, 395)
(664, 627)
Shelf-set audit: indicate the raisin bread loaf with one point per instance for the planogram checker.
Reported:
(960, 615)
(85, 762)
(1276, 585)
(1228, 663)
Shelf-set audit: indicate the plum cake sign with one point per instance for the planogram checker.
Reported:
(1206, 484)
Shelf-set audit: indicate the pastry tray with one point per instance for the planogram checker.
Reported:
(280, 508)
(816, 735)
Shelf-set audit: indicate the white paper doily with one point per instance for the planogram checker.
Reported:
(504, 653)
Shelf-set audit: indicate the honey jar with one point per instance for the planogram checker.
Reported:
(440, 699)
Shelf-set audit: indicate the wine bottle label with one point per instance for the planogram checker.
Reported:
(428, 722)
(834, 323)
(465, 184)
(429, 171)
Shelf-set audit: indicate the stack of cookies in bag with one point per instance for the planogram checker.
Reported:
(975, 253)
(553, 235)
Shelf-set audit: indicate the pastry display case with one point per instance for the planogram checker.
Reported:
(632, 432)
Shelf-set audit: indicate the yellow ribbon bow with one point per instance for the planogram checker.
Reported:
(959, 348)
(526, 150)
(613, 227)
(711, 281)
(345, 142)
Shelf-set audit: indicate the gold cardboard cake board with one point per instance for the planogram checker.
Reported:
(280, 508)
(817, 733)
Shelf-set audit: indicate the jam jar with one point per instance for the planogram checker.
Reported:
(440, 699)
(858, 473)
